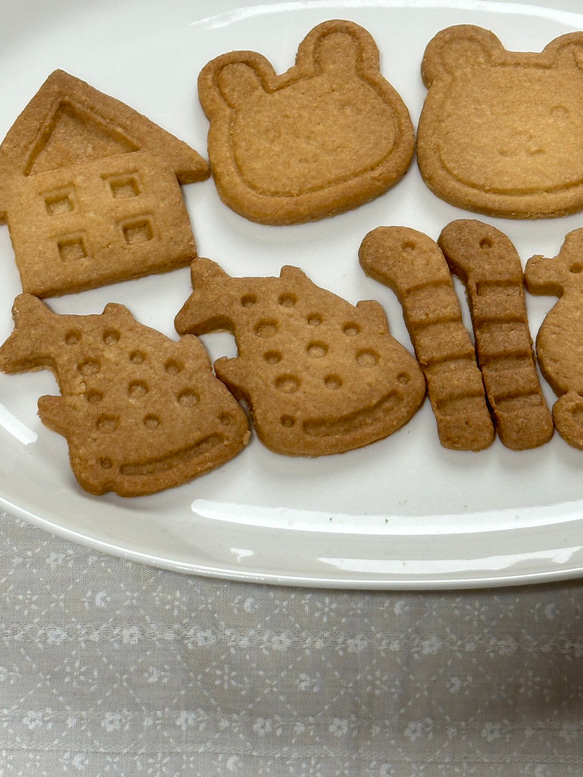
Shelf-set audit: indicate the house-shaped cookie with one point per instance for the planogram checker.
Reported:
(91, 191)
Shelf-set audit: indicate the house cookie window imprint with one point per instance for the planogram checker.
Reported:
(91, 191)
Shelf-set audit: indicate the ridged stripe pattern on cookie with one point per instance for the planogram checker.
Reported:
(412, 265)
(489, 266)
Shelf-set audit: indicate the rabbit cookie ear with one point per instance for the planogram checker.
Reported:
(231, 79)
(337, 46)
(336, 53)
(238, 82)
(455, 48)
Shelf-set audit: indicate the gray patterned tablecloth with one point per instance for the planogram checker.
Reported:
(108, 667)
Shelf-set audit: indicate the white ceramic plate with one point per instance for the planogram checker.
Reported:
(402, 513)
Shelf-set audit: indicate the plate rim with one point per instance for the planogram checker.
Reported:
(565, 571)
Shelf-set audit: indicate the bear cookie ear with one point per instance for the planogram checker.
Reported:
(458, 47)
(566, 51)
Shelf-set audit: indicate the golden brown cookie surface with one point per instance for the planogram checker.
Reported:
(487, 262)
(90, 190)
(326, 136)
(412, 265)
(501, 132)
(140, 412)
(560, 336)
(321, 375)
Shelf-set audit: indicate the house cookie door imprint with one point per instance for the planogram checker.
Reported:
(501, 132)
(326, 136)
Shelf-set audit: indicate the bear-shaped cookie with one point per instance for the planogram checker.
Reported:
(140, 412)
(319, 374)
(559, 340)
(501, 132)
(326, 136)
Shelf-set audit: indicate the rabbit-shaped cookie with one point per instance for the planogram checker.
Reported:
(326, 136)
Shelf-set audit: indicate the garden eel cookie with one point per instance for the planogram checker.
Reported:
(320, 375)
(487, 263)
(91, 191)
(140, 412)
(326, 136)
(412, 265)
(560, 336)
(501, 132)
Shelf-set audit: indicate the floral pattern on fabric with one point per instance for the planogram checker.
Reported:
(108, 667)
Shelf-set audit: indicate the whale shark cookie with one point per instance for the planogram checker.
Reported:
(326, 136)
(320, 375)
(140, 412)
(501, 132)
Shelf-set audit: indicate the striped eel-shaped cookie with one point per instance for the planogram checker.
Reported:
(487, 263)
(413, 266)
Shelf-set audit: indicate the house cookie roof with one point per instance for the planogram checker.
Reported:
(68, 121)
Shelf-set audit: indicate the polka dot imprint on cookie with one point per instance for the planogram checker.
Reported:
(140, 412)
(319, 374)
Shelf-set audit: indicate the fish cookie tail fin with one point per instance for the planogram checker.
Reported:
(23, 349)
(200, 313)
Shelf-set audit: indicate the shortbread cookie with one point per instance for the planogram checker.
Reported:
(412, 265)
(91, 191)
(140, 412)
(487, 263)
(560, 336)
(320, 375)
(500, 132)
(328, 135)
